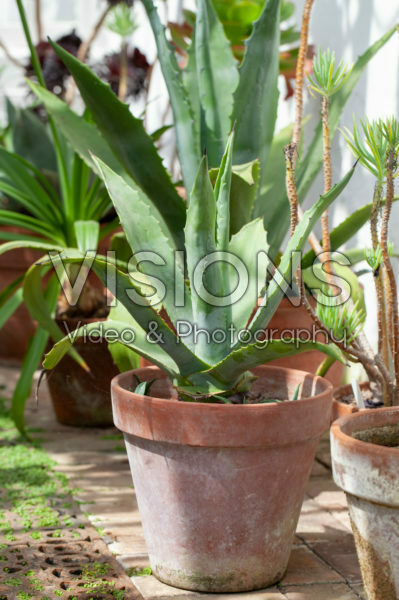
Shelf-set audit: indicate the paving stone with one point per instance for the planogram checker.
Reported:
(152, 589)
(327, 493)
(320, 592)
(358, 588)
(341, 555)
(316, 523)
(305, 567)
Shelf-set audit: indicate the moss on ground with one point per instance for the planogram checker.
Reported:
(34, 500)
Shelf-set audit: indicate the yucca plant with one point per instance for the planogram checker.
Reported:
(209, 340)
(207, 97)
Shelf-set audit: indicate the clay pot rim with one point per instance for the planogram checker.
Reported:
(368, 418)
(347, 388)
(117, 383)
(219, 425)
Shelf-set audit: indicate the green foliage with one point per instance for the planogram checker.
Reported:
(327, 77)
(371, 151)
(121, 20)
(343, 321)
(207, 370)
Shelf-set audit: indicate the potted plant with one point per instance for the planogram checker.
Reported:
(364, 446)
(208, 408)
(212, 84)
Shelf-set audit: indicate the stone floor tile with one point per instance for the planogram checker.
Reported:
(305, 567)
(320, 592)
(358, 588)
(152, 589)
(316, 523)
(341, 556)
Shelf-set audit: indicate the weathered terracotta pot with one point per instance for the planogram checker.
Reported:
(15, 334)
(289, 317)
(341, 409)
(82, 399)
(369, 474)
(220, 487)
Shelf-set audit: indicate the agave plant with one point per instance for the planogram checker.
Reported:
(206, 337)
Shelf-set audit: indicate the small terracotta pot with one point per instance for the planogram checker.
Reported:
(82, 399)
(220, 487)
(341, 409)
(368, 473)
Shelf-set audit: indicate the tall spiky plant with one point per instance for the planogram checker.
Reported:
(327, 78)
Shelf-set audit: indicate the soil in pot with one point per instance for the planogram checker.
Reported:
(365, 454)
(344, 401)
(80, 398)
(220, 487)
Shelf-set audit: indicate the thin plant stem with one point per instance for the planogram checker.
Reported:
(122, 90)
(300, 73)
(9, 56)
(383, 346)
(289, 152)
(327, 169)
(392, 300)
(83, 51)
(38, 14)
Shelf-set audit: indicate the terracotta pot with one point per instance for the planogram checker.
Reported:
(368, 473)
(220, 487)
(289, 317)
(82, 399)
(341, 409)
(16, 332)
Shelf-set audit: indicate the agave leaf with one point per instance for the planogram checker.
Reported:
(146, 234)
(123, 331)
(217, 79)
(128, 140)
(251, 356)
(222, 195)
(83, 136)
(256, 97)
(201, 246)
(247, 245)
(188, 144)
(123, 288)
(243, 190)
